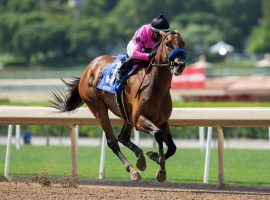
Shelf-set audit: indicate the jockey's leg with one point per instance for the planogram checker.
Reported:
(123, 69)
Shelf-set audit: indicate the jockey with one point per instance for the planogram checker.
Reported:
(145, 39)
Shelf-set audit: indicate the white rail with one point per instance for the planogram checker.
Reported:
(206, 117)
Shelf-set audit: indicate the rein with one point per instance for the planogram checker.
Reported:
(142, 80)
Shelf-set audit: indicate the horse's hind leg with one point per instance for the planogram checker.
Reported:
(124, 138)
(145, 125)
(113, 144)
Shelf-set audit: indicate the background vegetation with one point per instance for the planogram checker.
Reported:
(33, 31)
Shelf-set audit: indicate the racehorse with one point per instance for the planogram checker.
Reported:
(148, 102)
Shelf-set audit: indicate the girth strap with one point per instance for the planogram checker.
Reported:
(121, 106)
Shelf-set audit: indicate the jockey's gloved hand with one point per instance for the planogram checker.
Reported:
(152, 55)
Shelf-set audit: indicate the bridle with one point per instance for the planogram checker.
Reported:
(170, 57)
(170, 62)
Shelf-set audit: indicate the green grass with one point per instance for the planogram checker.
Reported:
(241, 166)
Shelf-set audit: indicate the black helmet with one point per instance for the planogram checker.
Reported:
(160, 23)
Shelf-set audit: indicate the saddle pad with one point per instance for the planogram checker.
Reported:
(108, 82)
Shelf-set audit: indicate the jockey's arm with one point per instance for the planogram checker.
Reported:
(138, 54)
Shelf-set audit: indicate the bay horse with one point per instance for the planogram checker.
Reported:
(147, 97)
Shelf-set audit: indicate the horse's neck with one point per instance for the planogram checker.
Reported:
(160, 81)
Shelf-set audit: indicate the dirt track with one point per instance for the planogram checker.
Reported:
(127, 190)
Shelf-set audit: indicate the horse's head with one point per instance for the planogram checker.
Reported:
(170, 52)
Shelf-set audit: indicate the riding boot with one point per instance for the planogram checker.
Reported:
(123, 69)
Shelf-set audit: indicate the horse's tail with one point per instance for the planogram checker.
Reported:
(69, 100)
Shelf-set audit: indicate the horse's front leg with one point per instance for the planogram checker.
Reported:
(124, 138)
(145, 125)
(167, 137)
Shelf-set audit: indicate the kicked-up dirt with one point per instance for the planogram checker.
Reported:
(44, 188)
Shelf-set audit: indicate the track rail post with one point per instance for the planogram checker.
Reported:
(73, 139)
(220, 140)
(201, 139)
(8, 149)
(207, 154)
(137, 137)
(18, 136)
(102, 157)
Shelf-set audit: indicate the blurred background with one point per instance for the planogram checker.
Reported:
(227, 45)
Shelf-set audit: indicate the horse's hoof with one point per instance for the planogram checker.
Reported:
(141, 164)
(135, 176)
(161, 175)
(153, 156)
